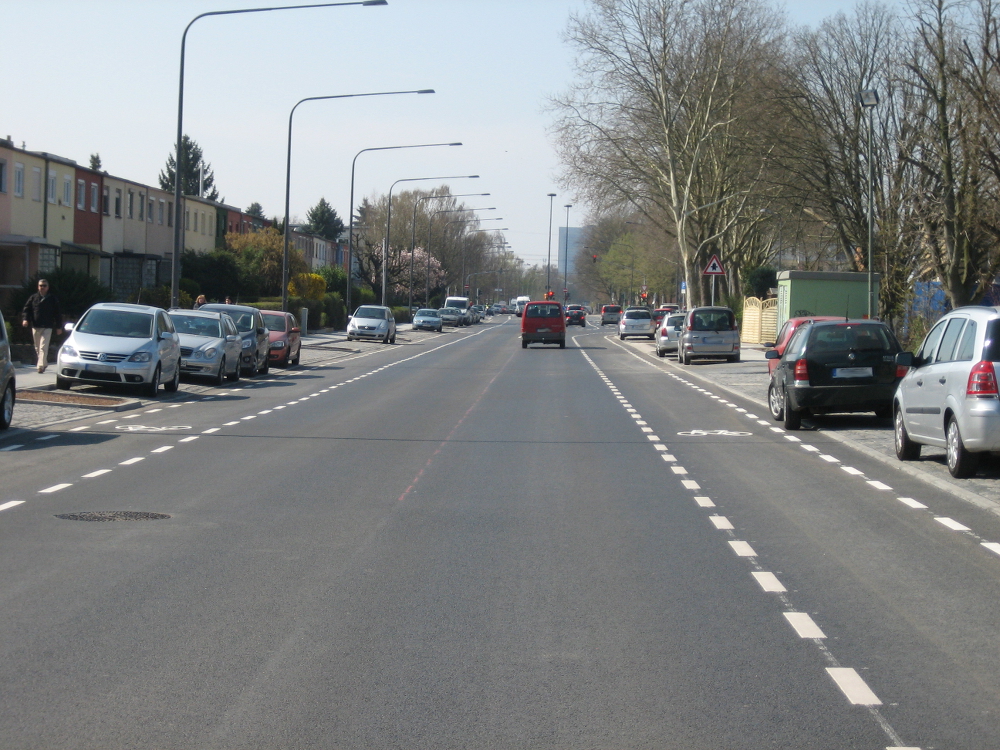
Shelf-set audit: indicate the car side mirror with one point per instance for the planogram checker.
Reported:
(769, 345)
(261, 330)
(296, 330)
(167, 336)
(771, 354)
(68, 327)
(349, 317)
(906, 359)
(233, 338)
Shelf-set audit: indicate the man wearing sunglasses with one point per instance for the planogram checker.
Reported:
(41, 312)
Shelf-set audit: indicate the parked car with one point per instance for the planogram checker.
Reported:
(8, 390)
(828, 366)
(785, 335)
(118, 343)
(372, 322)
(543, 323)
(949, 397)
(636, 322)
(611, 314)
(667, 334)
(450, 316)
(256, 341)
(428, 320)
(709, 332)
(210, 344)
(284, 337)
(576, 315)
(669, 307)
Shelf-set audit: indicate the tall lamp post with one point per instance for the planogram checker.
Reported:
(548, 262)
(388, 221)
(869, 100)
(568, 206)
(430, 230)
(175, 271)
(288, 176)
(350, 219)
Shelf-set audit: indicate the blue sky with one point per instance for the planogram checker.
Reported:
(101, 76)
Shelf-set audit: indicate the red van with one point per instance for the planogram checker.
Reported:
(543, 322)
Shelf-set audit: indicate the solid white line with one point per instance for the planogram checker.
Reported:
(163, 449)
(55, 488)
(704, 502)
(952, 524)
(911, 502)
(804, 625)
(743, 549)
(721, 522)
(131, 461)
(98, 473)
(851, 684)
(690, 484)
(11, 504)
(769, 582)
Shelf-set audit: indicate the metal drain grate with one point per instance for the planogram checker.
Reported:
(112, 515)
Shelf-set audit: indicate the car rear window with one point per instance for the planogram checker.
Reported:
(846, 337)
(675, 320)
(991, 351)
(542, 311)
(712, 320)
(612, 308)
(637, 314)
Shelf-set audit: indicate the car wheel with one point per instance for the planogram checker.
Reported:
(883, 412)
(687, 358)
(734, 358)
(62, 384)
(220, 380)
(236, 373)
(660, 352)
(175, 382)
(393, 339)
(775, 403)
(651, 338)
(152, 388)
(7, 407)
(524, 344)
(906, 449)
(961, 463)
(793, 419)
(562, 344)
(267, 366)
(298, 356)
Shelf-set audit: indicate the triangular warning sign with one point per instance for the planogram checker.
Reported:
(714, 267)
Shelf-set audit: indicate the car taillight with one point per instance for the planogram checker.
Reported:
(982, 380)
(901, 371)
(802, 370)
(663, 332)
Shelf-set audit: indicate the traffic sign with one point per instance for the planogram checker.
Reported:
(644, 288)
(714, 267)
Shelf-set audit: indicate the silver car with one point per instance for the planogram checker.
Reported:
(668, 333)
(121, 344)
(636, 323)
(210, 344)
(709, 332)
(450, 316)
(427, 320)
(372, 323)
(8, 392)
(949, 397)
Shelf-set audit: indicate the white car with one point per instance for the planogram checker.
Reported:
(372, 323)
(118, 343)
(637, 322)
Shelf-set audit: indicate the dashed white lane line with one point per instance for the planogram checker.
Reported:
(131, 461)
(679, 470)
(742, 549)
(911, 502)
(951, 523)
(668, 457)
(81, 428)
(189, 439)
(704, 502)
(992, 547)
(804, 625)
(211, 430)
(46, 437)
(721, 522)
(107, 421)
(769, 582)
(852, 686)
(851, 470)
(162, 449)
(690, 484)
(879, 485)
(230, 424)
(830, 459)
(252, 416)
(11, 504)
(12, 447)
(98, 473)
(650, 437)
(55, 488)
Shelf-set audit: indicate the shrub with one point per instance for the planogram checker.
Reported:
(159, 296)
(401, 314)
(311, 286)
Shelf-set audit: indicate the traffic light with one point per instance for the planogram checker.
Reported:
(550, 294)
(594, 257)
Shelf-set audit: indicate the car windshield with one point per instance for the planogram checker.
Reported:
(243, 321)
(132, 325)
(196, 325)
(449, 311)
(274, 322)
(373, 313)
(542, 311)
(712, 320)
(427, 314)
(675, 320)
(637, 315)
(847, 337)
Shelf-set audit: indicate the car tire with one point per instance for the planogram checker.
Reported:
(152, 388)
(298, 356)
(652, 338)
(267, 366)
(524, 344)
(236, 373)
(775, 403)
(660, 352)
(393, 339)
(734, 358)
(961, 463)
(7, 406)
(175, 382)
(687, 358)
(906, 449)
(792, 419)
(220, 380)
(62, 384)
(562, 344)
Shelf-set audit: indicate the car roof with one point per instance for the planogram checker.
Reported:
(226, 308)
(125, 306)
(214, 314)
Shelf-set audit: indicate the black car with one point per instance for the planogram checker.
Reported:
(834, 366)
(576, 316)
(256, 339)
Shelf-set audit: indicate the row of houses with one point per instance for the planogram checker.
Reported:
(55, 213)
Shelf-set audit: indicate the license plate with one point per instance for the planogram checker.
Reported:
(852, 372)
(98, 368)
(543, 330)
(712, 339)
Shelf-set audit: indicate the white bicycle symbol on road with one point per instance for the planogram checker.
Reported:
(702, 433)
(144, 428)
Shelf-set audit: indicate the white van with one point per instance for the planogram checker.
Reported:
(462, 303)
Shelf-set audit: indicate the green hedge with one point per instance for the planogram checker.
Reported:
(323, 313)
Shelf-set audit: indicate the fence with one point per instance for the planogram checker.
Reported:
(760, 320)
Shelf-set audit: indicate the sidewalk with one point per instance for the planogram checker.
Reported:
(863, 432)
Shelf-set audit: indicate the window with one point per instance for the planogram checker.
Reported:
(18, 179)
(142, 207)
(36, 188)
(170, 213)
(967, 346)
(3, 175)
(203, 227)
(187, 219)
(81, 194)
(149, 212)
(47, 259)
(131, 204)
(93, 197)
(949, 339)
(118, 203)
(106, 208)
(160, 216)
(926, 350)
(67, 190)
(51, 187)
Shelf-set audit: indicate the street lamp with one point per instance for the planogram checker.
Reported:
(869, 100)
(568, 206)
(548, 262)
(388, 221)
(175, 271)
(430, 229)
(350, 219)
(288, 175)
(413, 233)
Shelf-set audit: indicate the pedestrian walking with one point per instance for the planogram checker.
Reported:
(41, 312)
(200, 301)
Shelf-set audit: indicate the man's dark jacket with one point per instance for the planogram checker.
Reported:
(42, 312)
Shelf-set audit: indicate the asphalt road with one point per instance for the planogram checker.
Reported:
(457, 543)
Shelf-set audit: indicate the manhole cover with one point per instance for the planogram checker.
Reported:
(112, 515)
